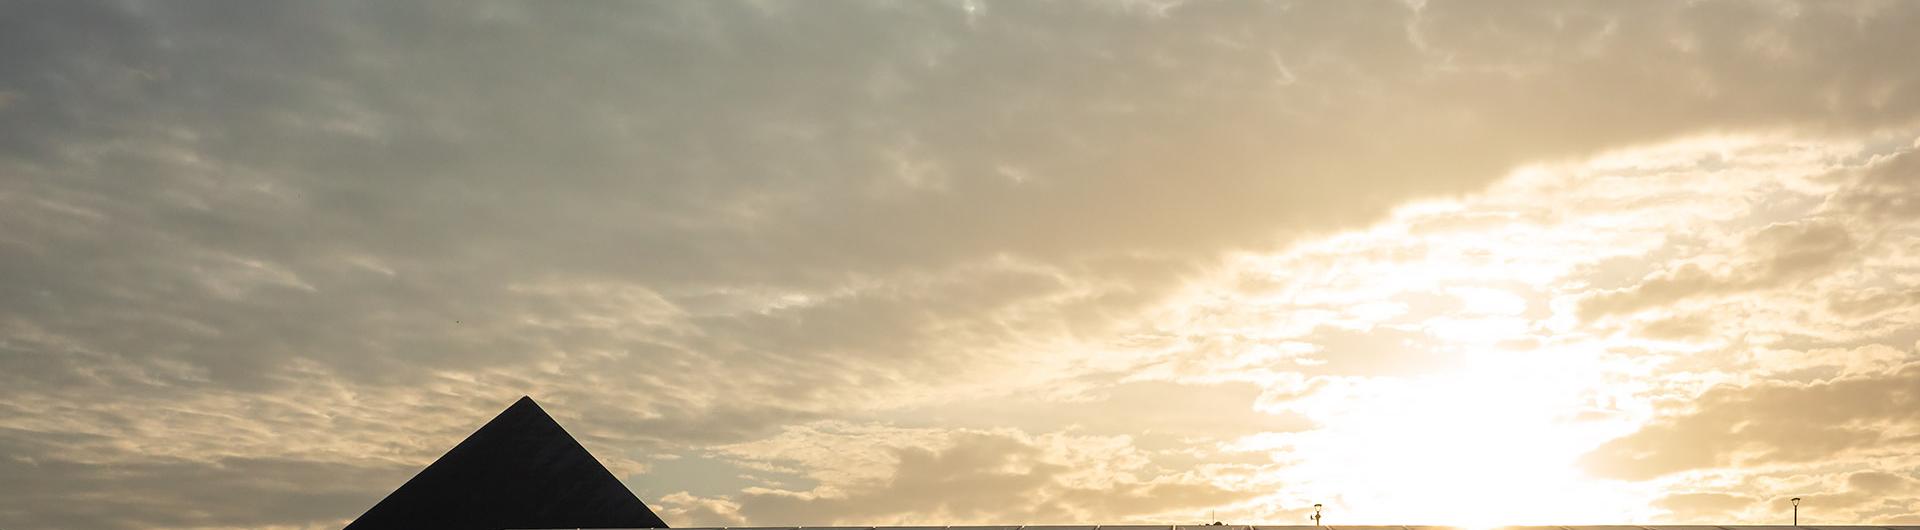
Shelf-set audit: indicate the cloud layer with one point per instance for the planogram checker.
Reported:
(1062, 262)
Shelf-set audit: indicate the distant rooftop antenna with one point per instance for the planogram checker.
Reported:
(1316, 514)
(1796, 510)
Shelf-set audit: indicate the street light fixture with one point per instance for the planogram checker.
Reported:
(1316, 514)
(1796, 510)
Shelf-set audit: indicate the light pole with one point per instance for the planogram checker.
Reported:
(1316, 514)
(1796, 510)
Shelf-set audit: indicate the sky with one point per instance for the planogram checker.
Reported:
(936, 262)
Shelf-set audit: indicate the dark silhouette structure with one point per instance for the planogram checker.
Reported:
(520, 470)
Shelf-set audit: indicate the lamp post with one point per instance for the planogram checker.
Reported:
(1316, 514)
(1796, 510)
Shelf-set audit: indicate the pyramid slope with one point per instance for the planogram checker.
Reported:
(520, 470)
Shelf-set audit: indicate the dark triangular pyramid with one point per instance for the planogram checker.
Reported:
(520, 470)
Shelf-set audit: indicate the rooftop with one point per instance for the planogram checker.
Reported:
(1311, 527)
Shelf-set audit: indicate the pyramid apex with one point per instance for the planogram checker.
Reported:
(519, 470)
(524, 405)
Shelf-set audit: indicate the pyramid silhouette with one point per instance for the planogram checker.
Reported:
(520, 470)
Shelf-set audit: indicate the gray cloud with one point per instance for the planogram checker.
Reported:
(465, 147)
(1770, 422)
(1886, 190)
(1872, 301)
(41, 491)
(1782, 253)
(978, 477)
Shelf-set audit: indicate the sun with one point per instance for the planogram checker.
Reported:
(1494, 443)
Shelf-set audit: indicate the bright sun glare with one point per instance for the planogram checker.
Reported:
(1492, 443)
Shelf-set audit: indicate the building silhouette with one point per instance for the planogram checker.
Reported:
(520, 470)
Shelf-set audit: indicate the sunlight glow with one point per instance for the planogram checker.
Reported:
(1440, 449)
(1480, 413)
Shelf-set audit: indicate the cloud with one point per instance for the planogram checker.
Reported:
(1703, 506)
(1782, 253)
(1885, 190)
(696, 225)
(1532, 386)
(900, 476)
(756, 148)
(1855, 222)
(1828, 497)
(1872, 302)
(1771, 423)
(281, 492)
